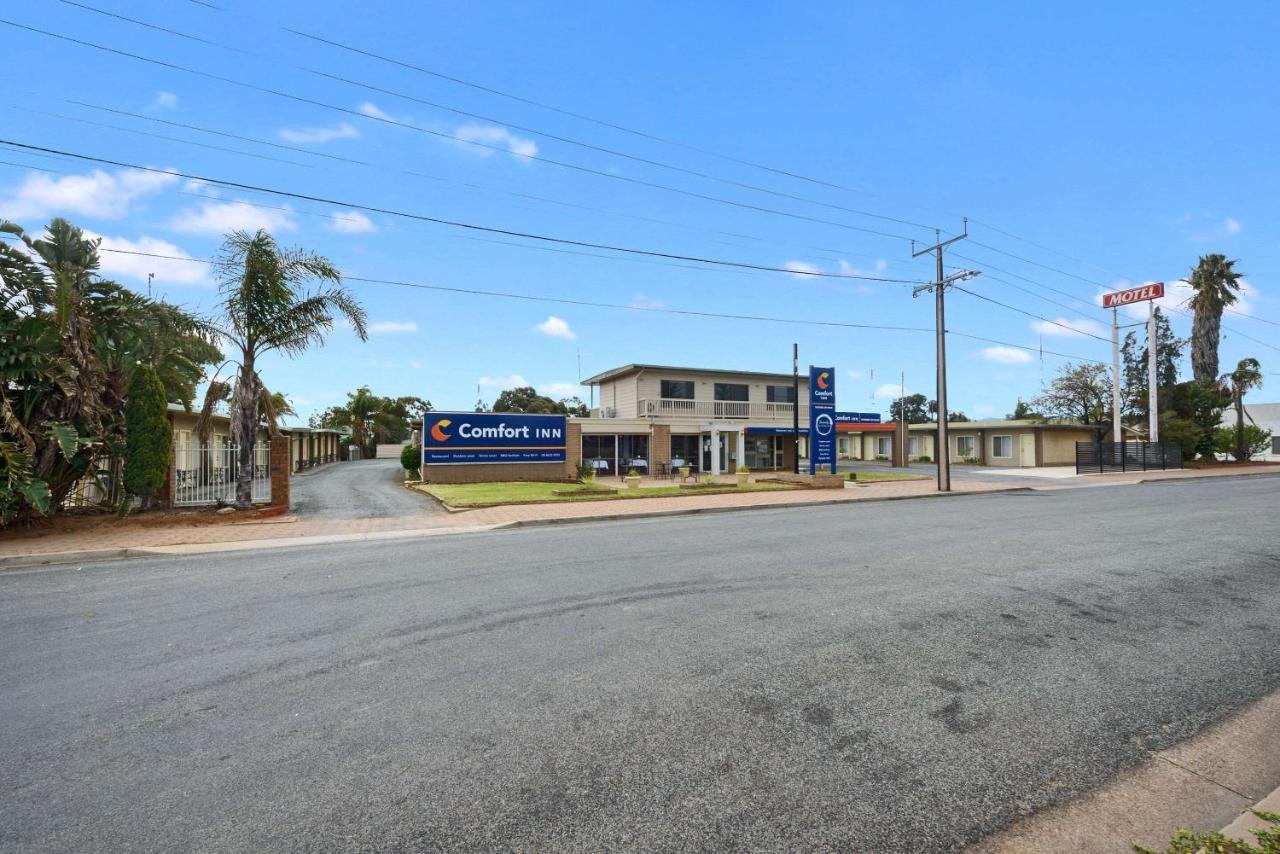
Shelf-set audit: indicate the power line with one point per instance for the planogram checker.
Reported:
(425, 175)
(625, 307)
(478, 143)
(1028, 313)
(459, 224)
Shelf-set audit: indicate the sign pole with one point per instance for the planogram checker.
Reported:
(1154, 427)
(795, 409)
(1116, 434)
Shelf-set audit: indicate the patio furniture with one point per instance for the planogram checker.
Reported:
(662, 471)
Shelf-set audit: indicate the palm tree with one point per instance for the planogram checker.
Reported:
(1215, 283)
(264, 309)
(1246, 376)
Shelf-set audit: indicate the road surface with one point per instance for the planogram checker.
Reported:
(901, 676)
(358, 489)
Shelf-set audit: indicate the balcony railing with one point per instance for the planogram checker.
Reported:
(668, 407)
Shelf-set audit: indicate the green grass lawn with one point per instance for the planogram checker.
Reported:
(874, 476)
(537, 492)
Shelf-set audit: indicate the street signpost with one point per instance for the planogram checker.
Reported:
(456, 438)
(1115, 300)
(822, 419)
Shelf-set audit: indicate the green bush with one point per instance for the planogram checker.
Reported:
(586, 472)
(1256, 441)
(148, 436)
(411, 459)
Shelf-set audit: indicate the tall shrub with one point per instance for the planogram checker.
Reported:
(148, 435)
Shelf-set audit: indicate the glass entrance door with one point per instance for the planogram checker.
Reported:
(706, 452)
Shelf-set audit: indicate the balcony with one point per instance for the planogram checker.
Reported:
(717, 410)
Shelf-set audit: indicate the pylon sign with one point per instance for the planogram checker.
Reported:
(822, 419)
(1118, 299)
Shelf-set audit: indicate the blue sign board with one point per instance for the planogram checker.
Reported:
(822, 419)
(857, 417)
(451, 438)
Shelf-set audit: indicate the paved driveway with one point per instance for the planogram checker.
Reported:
(360, 489)
(899, 676)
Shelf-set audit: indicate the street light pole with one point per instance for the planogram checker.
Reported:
(795, 409)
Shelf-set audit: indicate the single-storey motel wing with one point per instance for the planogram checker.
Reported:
(655, 418)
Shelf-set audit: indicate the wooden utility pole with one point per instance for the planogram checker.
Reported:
(939, 288)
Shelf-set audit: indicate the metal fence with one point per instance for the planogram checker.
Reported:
(98, 488)
(206, 474)
(1103, 457)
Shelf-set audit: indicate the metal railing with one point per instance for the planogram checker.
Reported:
(1104, 457)
(206, 474)
(669, 407)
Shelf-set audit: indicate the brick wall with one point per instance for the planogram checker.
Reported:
(280, 470)
(659, 447)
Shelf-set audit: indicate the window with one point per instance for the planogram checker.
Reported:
(1275, 444)
(1002, 446)
(731, 391)
(884, 446)
(965, 447)
(677, 389)
(685, 450)
(633, 453)
(781, 394)
(914, 446)
(598, 451)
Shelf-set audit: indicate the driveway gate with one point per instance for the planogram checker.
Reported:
(1102, 457)
(206, 474)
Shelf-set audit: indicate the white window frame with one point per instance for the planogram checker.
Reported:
(973, 446)
(889, 446)
(995, 440)
(913, 446)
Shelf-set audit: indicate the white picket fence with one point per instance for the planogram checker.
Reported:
(206, 474)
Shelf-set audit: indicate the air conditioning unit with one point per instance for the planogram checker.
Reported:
(610, 412)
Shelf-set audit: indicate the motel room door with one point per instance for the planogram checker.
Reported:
(1026, 449)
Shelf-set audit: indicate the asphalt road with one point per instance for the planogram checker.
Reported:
(358, 489)
(901, 676)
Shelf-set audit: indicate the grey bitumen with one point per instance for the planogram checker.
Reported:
(358, 489)
(905, 676)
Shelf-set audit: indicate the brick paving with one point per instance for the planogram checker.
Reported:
(292, 527)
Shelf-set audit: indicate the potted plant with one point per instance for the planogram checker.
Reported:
(684, 471)
(744, 475)
(586, 473)
(632, 479)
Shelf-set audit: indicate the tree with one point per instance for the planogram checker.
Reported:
(264, 309)
(915, 407)
(148, 437)
(1080, 393)
(1246, 376)
(1195, 411)
(1023, 411)
(574, 406)
(1216, 284)
(1133, 379)
(958, 417)
(70, 342)
(372, 418)
(525, 399)
(1226, 440)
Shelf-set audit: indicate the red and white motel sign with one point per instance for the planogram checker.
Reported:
(1155, 290)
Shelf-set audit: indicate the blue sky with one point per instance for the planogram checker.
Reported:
(1118, 144)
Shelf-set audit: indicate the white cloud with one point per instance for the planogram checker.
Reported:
(1231, 226)
(103, 195)
(847, 269)
(318, 135)
(559, 389)
(165, 101)
(221, 217)
(890, 391)
(801, 269)
(644, 302)
(493, 135)
(386, 327)
(371, 109)
(1007, 355)
(856, 375)
(167, 270)
(556, 328)
(351, 222)
(503, 382)
(1067, 326)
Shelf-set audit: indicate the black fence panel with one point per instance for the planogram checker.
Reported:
(1105, 457)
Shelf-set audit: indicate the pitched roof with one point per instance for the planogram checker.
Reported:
(614, 373)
